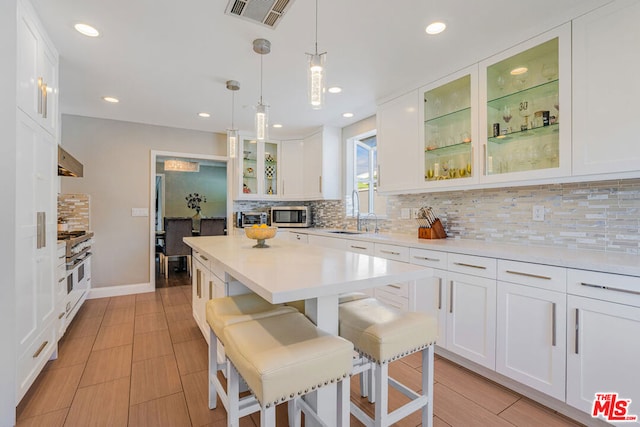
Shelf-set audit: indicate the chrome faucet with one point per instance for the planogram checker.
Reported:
(376, 229)
(355, 202)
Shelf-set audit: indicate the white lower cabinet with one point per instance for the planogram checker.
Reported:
(398, 295)
(202, 290)
(531, 337)
(603, 350)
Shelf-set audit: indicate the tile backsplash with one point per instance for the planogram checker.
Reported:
(74, 209)
(600, 216)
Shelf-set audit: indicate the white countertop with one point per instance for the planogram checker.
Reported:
(609, 262)
(289, 271)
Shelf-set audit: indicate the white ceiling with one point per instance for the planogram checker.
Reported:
(167, 60)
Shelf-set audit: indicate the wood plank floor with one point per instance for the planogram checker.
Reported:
(140, 360)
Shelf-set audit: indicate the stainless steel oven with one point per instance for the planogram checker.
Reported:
(290, 216)
(247, 219)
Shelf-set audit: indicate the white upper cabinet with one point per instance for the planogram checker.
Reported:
(37, 71)
(399, 167)
(292, 169)
(525, 99)
(449, 130)
(322, 165)
(605, 87)
(259, 169)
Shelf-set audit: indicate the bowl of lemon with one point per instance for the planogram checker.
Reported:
(260, 233)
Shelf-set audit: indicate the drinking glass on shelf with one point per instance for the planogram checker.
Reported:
(520, 77)
(506, 114)
(549, 71)
(430, 173)
(500, 82)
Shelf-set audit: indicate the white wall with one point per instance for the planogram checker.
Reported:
(7, 213)
(116, 158)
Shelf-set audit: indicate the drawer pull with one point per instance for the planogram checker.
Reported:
(198, 283)
(39, 350)
(204, 258)
(61, 315)
(553, 324)
(210, 289)
(462, 264)
(535, 276)
(439, 293)
(450, 296)
(424, 258)
(395, 286)
(609, 288)
(358, 247)
(577, 329)
(389, 252)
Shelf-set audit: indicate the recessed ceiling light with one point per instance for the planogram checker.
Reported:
(277, 125)
(111, 99)
(334, 89)
(347, 115)
(205, 115)
(87, 30)
(518, 70)
(435, 27)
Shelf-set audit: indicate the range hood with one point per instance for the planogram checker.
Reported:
(68, 165)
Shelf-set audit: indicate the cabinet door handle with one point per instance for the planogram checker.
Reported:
(320, 183)
(204, 258)
(395, 286)
(424, 258)
(61, 315)
(450, 296)
(439, 293)
(389, 252)
(553, 324)
(39, 92)
(44, 104)
(358, 247)
(462, 264)
(198, 282)
(609, 288)
(484, 159)
(577, 330)
(535, 276)
(41, 233)
(39, 350)
(210, 289)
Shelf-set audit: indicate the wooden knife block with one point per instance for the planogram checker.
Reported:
(435, 232)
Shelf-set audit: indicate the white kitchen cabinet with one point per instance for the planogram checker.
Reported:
(359, 246)
(258, 169)
(292, 169)
(37, 71)
(202, 289)
(36, 244)
(603, 320)
(61, 289)
(449, 133)
(525, 114)
(322, 165)
(531, 337)
(399, 151)
(471, 306)
(605, 89)
(398, 295)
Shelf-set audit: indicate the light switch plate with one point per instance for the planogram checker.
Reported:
(139, 212)
(405, 213)
(538, 213)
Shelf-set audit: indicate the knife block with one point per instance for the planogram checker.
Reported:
(435, 232)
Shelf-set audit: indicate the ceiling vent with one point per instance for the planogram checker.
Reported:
(268, 13)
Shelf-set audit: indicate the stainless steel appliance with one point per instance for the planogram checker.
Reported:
(290, 216)
(78, 264)
(247, 219)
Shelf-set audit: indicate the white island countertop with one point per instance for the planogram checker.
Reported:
(289, 271)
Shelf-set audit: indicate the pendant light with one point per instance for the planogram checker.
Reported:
(316, 73)
(232, 133)
(262, 47)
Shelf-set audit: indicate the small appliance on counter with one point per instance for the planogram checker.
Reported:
(247, 219)
(290, 216)
(429, 225)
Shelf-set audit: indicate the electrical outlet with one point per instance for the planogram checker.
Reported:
(405, 213)
(538, 213)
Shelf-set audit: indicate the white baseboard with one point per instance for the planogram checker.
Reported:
(119, 290)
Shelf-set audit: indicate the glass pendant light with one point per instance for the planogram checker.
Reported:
(316, 73)
(232, 133)
(262, 47)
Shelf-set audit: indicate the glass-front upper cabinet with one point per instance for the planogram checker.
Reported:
(258, 166)
(526, 124)
(449, 129)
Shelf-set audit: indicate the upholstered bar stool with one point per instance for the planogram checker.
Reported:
(225, 311)
(381, 334)
(282, 358)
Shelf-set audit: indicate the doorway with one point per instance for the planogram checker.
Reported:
(176, 179)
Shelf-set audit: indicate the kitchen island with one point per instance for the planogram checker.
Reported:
(289, 271)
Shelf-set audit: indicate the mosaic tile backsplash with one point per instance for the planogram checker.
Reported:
(600, 216)
(74, 209)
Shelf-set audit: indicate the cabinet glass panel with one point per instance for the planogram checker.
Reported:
(523, 112)
(270, 167)
(249, 166)
(447, 131)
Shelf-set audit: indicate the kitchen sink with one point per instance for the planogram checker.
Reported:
(345, 232)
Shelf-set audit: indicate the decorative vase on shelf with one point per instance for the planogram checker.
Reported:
(196, 221)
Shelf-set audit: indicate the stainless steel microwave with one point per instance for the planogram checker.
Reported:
(247, 219)
(290, 216)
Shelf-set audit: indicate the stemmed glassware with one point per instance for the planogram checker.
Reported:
(506, 115)
(549, 71)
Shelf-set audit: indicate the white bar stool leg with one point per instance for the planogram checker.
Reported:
(268, 416)
(427, 386)
(213, 368)
(295, 413)
(381, 373)
(233, 390)
(344, 403)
